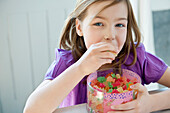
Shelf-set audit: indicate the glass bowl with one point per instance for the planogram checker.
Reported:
(100, 99)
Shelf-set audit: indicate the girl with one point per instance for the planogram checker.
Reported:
(93, 32)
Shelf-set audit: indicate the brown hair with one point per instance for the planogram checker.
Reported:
(70, 40)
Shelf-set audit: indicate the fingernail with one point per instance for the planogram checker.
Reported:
(132, 86)
(112, 107)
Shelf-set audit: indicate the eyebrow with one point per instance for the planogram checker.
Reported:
(100, 17)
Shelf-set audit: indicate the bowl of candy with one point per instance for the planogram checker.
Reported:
(110, 87)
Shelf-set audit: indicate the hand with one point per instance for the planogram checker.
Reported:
(95, 56)
(140, 105)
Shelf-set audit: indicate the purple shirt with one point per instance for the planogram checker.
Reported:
(149, 67)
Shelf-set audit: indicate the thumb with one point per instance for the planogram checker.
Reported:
(139, 87)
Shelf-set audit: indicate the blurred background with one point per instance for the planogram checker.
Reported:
(29, 34)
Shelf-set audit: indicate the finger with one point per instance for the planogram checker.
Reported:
(106, 47)
(105, 61)
(112, 52)
(107, 55)
(128, 111)
(139, 87)
(98, 45)
(127, 106)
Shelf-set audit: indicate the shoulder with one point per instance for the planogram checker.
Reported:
(140, 48)
(62, 52)
(64, 55)
(146, 58)
(152, 67)
(63, 60)
(140, 51)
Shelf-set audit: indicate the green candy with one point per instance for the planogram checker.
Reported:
(91, 111)
(101, 79)
(110, 90)
(130, 83)
(114, 76)
(110, 84)
(115, 87)
(127, 84)
(134, 95)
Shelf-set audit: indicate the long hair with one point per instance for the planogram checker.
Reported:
(70, 40)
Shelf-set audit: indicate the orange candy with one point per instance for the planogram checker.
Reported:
(99, 106)
(94, 82)
(110, 79)
(129, 87)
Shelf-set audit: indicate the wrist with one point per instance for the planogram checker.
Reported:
(80, 69)
(153, 103)
(83, 67)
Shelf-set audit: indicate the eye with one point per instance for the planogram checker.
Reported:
(120, 25)
(98, 24)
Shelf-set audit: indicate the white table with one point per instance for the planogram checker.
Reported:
(81, 108)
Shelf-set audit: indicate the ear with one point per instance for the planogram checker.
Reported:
(79, 27)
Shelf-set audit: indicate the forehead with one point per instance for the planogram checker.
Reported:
(117, 10)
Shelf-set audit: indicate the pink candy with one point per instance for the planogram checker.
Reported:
(101, 85)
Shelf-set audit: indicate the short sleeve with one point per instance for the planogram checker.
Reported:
(152, 66)
(62, 61)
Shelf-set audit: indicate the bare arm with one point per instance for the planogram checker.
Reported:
(145, 102)
(161, 100)
(50, 94)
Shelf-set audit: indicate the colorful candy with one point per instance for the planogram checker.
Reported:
(112, 83)
(111, 89)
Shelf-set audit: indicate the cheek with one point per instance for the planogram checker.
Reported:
(122, 39)
(91, 37)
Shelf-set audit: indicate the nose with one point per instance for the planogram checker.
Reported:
(108, 37)
(110, 34)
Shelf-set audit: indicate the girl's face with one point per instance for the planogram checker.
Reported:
(111, 23)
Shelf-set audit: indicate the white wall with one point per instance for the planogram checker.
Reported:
(142, 10)
(157, 5)
(29, 33)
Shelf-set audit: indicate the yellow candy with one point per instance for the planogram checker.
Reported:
(120, 89)
(125, 91)
(118, 76)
